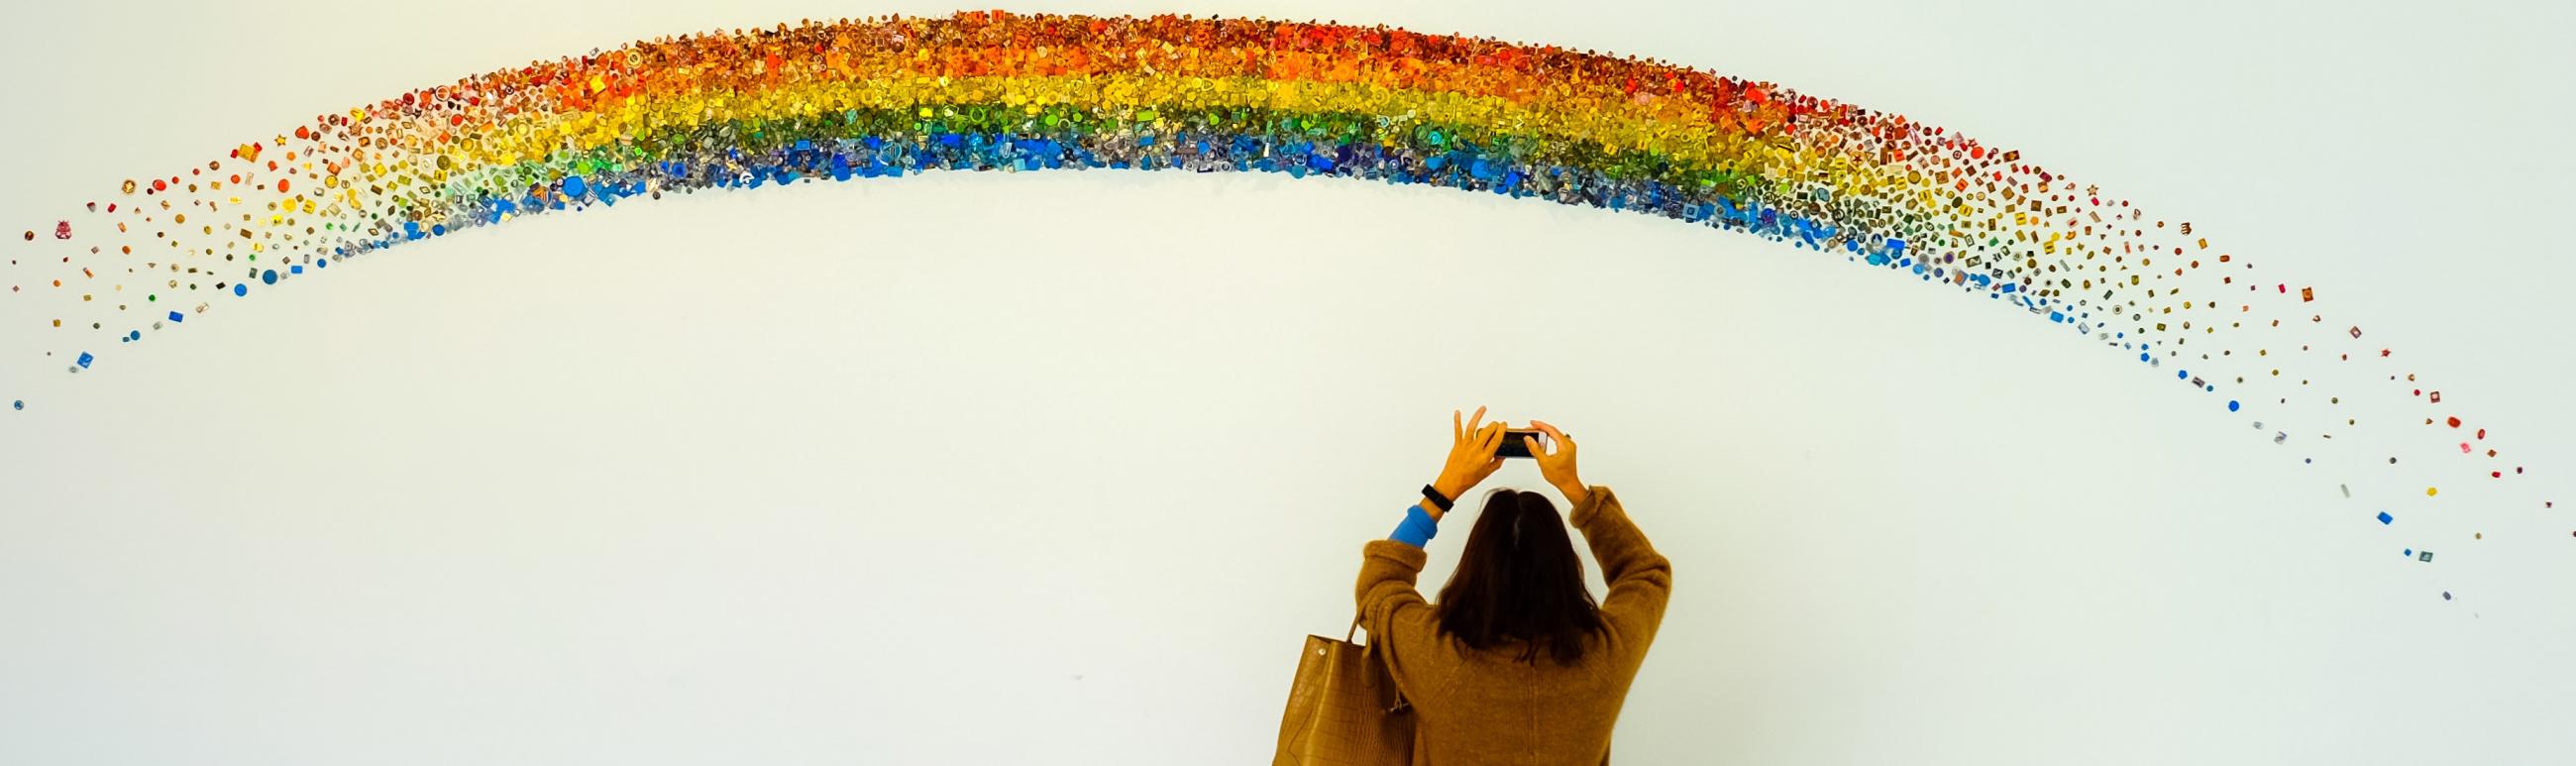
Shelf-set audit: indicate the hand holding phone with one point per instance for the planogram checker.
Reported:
(1516, 442)
(1557, 467)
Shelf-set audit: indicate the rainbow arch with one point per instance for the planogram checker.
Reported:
(1002, 92)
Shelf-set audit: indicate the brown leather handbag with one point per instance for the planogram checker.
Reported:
(1344, 709)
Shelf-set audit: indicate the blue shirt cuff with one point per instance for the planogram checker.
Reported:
(1417, 528)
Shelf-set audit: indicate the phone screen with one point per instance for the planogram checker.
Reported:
(1512, 445)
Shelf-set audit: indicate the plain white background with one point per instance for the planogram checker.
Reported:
(1060, 468)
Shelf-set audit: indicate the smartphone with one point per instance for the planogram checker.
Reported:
(1512, 446)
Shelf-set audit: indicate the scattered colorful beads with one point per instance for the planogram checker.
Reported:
(994, 91)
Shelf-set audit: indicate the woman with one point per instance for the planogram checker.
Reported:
(1516, 664)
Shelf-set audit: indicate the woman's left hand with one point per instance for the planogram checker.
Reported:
(1471, 453)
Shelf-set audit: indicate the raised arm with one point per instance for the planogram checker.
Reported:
(1398, 618)
(1641, 580)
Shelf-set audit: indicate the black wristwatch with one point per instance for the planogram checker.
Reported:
(1437, 498)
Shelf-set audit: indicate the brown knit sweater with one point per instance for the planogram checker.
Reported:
(1475, 708)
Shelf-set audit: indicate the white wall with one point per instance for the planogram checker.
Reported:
(1059, 468)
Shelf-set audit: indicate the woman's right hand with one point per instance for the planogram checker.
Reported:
(1557, 468)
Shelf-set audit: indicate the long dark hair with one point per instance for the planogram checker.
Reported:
(1518, 580)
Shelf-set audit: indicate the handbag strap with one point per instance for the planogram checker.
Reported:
(1400, 701)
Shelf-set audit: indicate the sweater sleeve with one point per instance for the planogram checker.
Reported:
(1403, 625)
(1417, 529)
(1641, 580)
